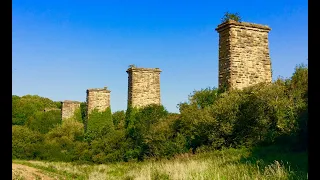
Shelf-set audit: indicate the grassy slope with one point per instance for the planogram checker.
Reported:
(266, 163)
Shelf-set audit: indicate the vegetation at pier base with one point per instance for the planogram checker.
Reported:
(231, 16)
(259, 132)
(228, 163)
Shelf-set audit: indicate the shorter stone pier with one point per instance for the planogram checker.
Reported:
(69, 108)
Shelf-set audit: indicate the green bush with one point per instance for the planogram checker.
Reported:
(26, 144)
(162, 139)
(84, 116)
(44, 121)
(97, 123)
(109, 148)
(119, 118)
(61, 142)
(24, 108)
(138, 123)
(204, 97)
(259, 114)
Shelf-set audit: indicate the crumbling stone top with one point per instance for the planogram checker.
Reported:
(233, 23)
(135, 69)
(99, 89)
(71, 102)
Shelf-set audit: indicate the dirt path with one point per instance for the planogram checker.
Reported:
(24, 172)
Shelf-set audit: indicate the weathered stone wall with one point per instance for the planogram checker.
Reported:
(69, 108)
(243, 54)
(98, 98)
(143, 86)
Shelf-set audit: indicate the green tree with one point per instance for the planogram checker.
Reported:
(17, 117)
(44, 121)
(25, 107)
(204, 97)
(84, 116)
(61, 142)
(26, 144)
(163, 140)
(119, 118)
(98, 122)
(298, 91)
(110, 147)
(139, 124)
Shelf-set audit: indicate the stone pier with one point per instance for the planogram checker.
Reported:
(69, 108)
(143, 86)
(244, 58)
(98, 98)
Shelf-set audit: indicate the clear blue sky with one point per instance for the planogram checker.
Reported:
(61, 48)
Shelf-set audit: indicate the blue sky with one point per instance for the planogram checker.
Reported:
(61, 48)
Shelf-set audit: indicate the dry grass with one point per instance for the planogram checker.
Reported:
(227, 164)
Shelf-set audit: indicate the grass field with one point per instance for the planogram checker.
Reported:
(266, 163)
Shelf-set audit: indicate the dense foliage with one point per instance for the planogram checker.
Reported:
(260, 115)
(24, 108)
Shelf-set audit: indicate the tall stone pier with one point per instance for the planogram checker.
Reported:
(143, 86)
(244, 58)
(69, 108)
(98, 98)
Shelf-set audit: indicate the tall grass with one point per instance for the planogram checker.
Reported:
(217, 165)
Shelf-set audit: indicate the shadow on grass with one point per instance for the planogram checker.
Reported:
(296, 162)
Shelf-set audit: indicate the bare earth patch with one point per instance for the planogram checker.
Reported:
(24, 172)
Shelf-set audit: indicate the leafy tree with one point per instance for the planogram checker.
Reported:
(44, 121)
(298, 86)
(130, 117)
(110, 147)
(58, 104)
(118, 118)
(24, 108)
(163, 140)
(204, 97)
(211, 124)
(84, 116)
(63, 141)
(298, 91)
(26, 144)
(17, 117)
(139, 122)
(72, 130)
(98, 122)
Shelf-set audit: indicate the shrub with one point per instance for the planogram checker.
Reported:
(118, 118)
(44, 121)
(61, 141)
(26, 144)
(162, 139)
(24, 108)
(138, 122)
(97, 123)
(109, 148)
(231, 16)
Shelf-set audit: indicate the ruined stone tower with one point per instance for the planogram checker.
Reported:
(98, 98)
(143, 86)
(243, 54)
(69, 108)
